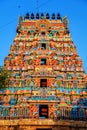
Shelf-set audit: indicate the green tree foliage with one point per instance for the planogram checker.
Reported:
(4, 75)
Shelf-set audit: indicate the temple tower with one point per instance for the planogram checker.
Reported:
(48, 84)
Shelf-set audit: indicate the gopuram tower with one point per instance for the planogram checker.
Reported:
(47, 89)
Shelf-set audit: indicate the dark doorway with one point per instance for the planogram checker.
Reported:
(43, 61)
(43, 46)
(43, 111)
(43, 83)
(43, 129)
(43, 33)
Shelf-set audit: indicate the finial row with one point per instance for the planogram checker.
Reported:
(41, 16)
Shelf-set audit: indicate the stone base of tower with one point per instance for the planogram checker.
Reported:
(42, 124)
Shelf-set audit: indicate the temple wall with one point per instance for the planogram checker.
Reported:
(33, 124)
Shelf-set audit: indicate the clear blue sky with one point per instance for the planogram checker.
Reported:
(76, 10)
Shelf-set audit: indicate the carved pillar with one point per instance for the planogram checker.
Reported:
(4, 128)
(11, 128)
(56, 128)
(1, 128)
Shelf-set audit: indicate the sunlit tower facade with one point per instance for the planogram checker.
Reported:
(47, 86)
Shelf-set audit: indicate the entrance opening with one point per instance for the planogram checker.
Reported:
(43, 61)
(43, 111)
(43, 46)
(43, 83)
(43, 33)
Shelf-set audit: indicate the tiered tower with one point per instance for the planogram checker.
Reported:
(47, 82)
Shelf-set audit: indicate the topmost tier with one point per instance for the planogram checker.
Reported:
(42, 15)
(53, 21)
